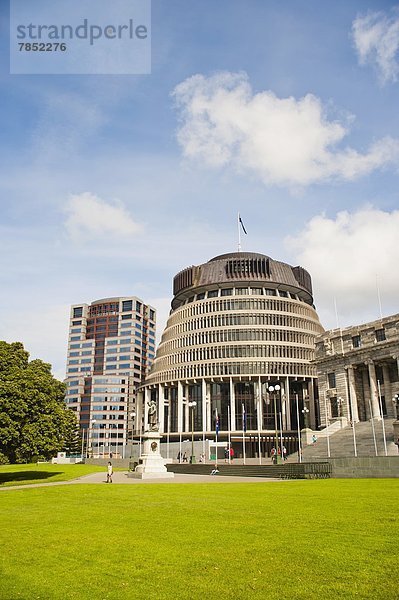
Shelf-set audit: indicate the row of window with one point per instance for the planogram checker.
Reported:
(236, 335)
(229, 320)
(107, 426)
(226, 352)
(111, 437)
(355, 341)
(107, 416)
(247, 304)
(256, 368)
(82, 345)
(108, 407)
(242, 291)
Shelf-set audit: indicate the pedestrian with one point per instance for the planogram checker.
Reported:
(185, 457)
(179, 457)
(231, 453)
(273, 454)
(284, 453)
(226, 455)
(202, 458)
(110, 472)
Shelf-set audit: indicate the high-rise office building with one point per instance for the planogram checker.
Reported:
(240, 325)
(111, 347)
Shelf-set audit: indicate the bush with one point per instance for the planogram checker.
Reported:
(3, 459)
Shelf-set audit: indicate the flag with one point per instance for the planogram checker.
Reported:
(242, 225)
(244, 419)
(217, 421)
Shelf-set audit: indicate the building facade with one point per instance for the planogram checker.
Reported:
(357, 370)
(110, 349)
(238, 325)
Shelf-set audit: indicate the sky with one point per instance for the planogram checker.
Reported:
(287, 112)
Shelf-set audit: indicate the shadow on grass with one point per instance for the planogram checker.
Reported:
(27, 476)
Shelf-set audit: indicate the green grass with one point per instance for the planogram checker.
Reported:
(290, 540)
(43, 473)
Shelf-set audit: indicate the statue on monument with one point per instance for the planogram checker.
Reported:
(152, 415)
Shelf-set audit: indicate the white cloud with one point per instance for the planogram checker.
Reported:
(43, 338)
(376, 38)
(345, 255)
(90, 217)
(282, 141)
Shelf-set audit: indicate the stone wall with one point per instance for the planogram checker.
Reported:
(365, 467)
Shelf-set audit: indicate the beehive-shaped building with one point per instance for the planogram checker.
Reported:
(239, 324)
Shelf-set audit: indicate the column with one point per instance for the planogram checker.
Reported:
(352, 394)
(397, 362)
(312, 416)
(287, 404)
(209, 409)
(375, 408)
(147, 396)
(283, 400)
(161, 408)
(205, 407)
(232, 406)
(388, 393)
(259, 405)
(179, 406)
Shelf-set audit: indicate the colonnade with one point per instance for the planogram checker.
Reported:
(258, 399)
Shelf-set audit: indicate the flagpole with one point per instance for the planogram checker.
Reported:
(243, 432)
(239, 232)
(258, 420)
(229, 433)
(216, 438)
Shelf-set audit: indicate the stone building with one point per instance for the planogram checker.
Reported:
(240, 323)
(357, 370)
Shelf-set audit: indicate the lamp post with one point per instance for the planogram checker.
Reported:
(299, 429)
(305, 411)
(192, 404)
(274, 390)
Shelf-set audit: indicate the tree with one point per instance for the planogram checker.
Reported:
(34, 420)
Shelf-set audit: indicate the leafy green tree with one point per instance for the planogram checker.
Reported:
(34, 420)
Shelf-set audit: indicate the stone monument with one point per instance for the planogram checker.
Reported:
(151, 464)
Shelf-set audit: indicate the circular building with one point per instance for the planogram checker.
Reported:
(239, 324)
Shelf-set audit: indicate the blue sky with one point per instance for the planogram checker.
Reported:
(284, 111)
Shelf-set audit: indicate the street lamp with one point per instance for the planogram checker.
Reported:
(274, 390)
(305, 412)
(192, 404)
(340, 402)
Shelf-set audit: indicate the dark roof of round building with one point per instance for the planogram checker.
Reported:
(237, 268)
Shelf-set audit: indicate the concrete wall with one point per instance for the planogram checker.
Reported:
(365, 467)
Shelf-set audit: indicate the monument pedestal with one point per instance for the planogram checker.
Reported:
(152, 465)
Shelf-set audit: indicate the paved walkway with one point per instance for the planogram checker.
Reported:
(121, 477)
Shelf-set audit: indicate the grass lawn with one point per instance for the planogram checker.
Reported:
(321, 539)
(43, 473)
